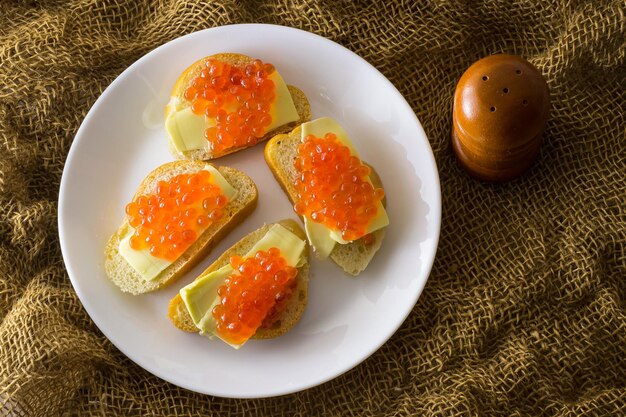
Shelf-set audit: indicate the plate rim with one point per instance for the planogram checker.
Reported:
(434, 205)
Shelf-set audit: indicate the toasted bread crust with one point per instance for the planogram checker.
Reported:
(299, 100)
(294, 309)
(280, 154)
(128, 280)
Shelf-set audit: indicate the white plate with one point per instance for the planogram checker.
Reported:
(122, 139)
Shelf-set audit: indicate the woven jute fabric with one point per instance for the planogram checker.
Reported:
(524, 313)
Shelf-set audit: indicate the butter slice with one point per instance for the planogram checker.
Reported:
(186, 129)
(149, 267)
(321, 237)
(201, 295)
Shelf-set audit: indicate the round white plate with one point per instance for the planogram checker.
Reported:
(347, 319)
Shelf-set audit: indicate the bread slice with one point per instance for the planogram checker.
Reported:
(125, 277)
(179, 102)
(280, 154)
(294, 308)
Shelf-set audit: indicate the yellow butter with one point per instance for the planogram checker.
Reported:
(201, 295)
(283, 109)
(320, 127)
(321, 237)
(218, 179)
(186, 129)
(149, 267)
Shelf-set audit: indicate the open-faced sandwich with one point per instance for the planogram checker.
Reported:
(256, 289)
(179, 213)
(339, 197)
(227, 102)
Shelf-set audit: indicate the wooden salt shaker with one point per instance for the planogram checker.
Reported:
(501, 107)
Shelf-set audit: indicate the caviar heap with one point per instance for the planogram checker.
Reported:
(238, 98)
(170, 220)
(333, 187)
(252, 294)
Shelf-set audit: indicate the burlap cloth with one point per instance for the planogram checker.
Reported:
(524, 313)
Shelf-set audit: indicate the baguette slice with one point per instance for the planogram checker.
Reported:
(125, 277)
(280, 154)
(294, 308)
(179, 102)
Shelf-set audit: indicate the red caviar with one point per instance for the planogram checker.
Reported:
(169, 220)
(238, 98)
(252, 293)
(369, 239)
(333, 187)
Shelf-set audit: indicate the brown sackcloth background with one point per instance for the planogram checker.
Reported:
(524, 313)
